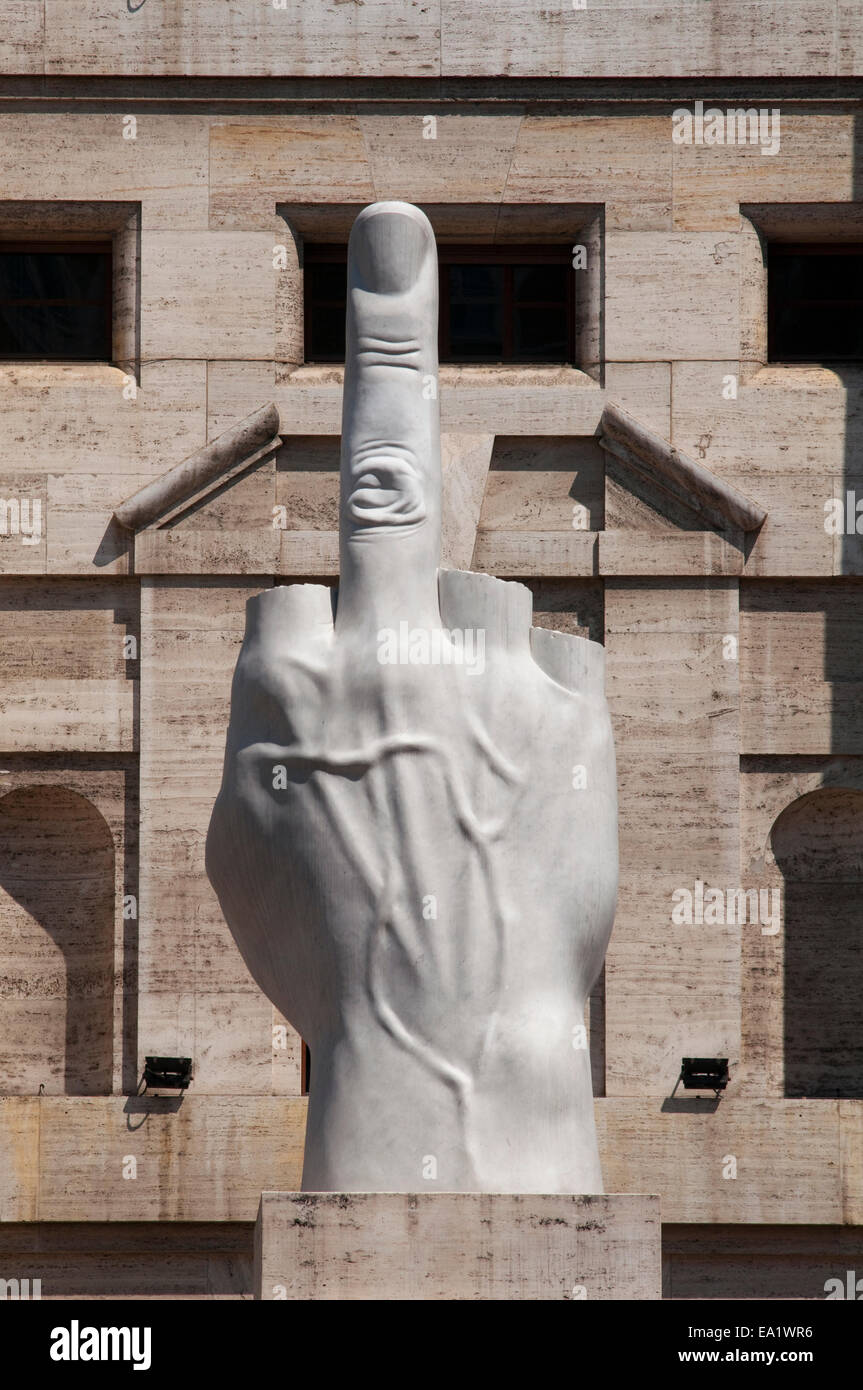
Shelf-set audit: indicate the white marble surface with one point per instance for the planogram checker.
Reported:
(415, 843)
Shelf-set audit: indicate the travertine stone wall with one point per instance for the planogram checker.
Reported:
(430, 40)
(672, 989)
(220, 330)
(57, 929)
(68, 923)
(801, 645)
(212, 202)
(69, 658)
(780, 1008)
(196, 996)
(131, 1260)
(220, 333)
(758, 1262)
(182, 1260)
(798, 1162)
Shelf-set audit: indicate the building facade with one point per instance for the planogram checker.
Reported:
(675, 474)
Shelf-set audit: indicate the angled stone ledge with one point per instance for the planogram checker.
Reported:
(219, 461)
(650, 455)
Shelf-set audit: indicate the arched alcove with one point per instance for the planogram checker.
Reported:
(818, 846)
(56, 944)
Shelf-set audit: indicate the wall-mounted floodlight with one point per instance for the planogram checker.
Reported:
(704, 1074)
(167, 1073)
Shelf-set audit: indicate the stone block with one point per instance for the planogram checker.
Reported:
(234, 39)
(460, 1246)
(314, 159)
(671, 296)
(58, 155)
(461, 159)
(207, 294)
(814, 164)
(620, 161)
(624, 37)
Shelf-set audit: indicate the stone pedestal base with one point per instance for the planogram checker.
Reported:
(456, 1245)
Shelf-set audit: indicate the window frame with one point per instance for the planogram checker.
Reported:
(70, 246)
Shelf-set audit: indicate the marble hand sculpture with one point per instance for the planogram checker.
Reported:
(415, 841)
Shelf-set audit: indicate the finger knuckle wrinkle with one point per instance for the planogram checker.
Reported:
(380, 352)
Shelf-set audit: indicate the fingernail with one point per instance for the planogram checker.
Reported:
(387, 248)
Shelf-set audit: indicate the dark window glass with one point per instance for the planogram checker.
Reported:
(540, 324)
(325, 302)
(815, 298)
(326, 342)
(329, 282)
(540, 284)
(474, 296)
(497, 304)
(55, 302)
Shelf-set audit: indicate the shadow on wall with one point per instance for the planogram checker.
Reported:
(56, 944)
(818, 840)
(818, 845)
(816, 907)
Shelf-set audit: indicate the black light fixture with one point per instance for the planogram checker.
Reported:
(704, 1074)
(167, 1073)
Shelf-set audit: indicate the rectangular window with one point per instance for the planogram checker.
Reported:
(815, 298)
(56, 301)
(497, 304)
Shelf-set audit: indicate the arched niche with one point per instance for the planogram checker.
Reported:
(56, 944)
(818, 846)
